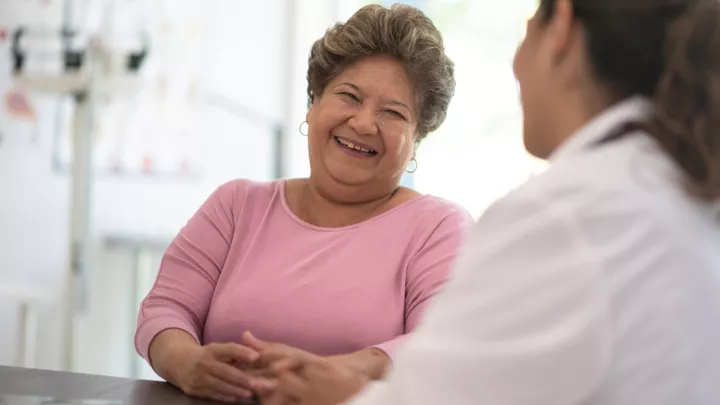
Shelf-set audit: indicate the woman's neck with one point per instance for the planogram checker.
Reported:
(312, 206)
(577, 111)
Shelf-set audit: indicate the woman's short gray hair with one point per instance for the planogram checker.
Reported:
(401, 31)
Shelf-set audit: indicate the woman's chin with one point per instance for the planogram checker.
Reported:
(348, 172)
(350, 178)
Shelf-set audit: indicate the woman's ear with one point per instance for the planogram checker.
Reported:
(309, 113)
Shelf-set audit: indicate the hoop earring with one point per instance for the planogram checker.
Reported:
(307, 128)
(414, 168)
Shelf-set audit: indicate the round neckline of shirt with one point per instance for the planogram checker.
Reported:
(281, 184)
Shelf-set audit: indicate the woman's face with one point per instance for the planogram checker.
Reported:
(361, 130)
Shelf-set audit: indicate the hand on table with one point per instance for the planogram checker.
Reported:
(302, 378)
(215, 371)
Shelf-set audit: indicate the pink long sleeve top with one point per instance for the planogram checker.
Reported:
(245, 262)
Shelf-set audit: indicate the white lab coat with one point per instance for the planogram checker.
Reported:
(595, 283)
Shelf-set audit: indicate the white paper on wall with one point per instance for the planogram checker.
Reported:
(154, 131)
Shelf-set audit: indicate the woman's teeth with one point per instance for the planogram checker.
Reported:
(351, 145)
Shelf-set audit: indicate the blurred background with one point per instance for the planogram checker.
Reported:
(100, 168)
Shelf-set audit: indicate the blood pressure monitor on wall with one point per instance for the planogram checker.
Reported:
(65, 60)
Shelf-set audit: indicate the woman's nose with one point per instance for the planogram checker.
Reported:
(364, 122)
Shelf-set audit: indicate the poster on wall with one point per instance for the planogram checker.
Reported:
(153, 131)
(18, 120)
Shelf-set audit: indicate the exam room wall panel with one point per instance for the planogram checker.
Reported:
(34, 198)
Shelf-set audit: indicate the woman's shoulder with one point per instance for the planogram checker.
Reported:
(428, 223)
(431, 204)
(240, 192)
(427, 210)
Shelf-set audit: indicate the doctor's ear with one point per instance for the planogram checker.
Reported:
(561, 28)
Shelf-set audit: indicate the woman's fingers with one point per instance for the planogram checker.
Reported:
(227, 390)
(287, 364)
(292, 385)
(230, 374)
(260, 372)
(263, 386)
(251, 341)
(290, 358)
(231, 352)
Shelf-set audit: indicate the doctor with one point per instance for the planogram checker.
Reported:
(597, 282)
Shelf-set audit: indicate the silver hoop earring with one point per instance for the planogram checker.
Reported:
(306, 126)
(414, 168)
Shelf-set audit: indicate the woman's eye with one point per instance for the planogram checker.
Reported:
(395, 114)
(350, 96)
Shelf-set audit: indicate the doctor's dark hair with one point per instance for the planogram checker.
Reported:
(401, 31)
(669, 51)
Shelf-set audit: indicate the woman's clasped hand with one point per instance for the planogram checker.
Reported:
(220, 371)
(268, 372)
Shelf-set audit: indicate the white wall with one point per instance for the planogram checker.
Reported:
(33, 231)
(312, 19)
(246, 63)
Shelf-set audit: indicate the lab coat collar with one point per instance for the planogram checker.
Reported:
(630, 109)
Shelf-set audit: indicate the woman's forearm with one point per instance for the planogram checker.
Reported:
(373, 363)
(168, 351)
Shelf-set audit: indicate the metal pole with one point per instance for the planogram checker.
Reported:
(279, 152)
(281, 131)
(27, 333)
(80, 211)
(143, 256)
(80, 125)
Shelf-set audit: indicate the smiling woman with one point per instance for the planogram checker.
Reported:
(379, 83)
(363, 130)
(341, 264)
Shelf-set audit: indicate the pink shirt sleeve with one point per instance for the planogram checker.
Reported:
(429, 270)
(189, 272)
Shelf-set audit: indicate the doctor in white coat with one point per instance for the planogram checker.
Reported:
(597, 282)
